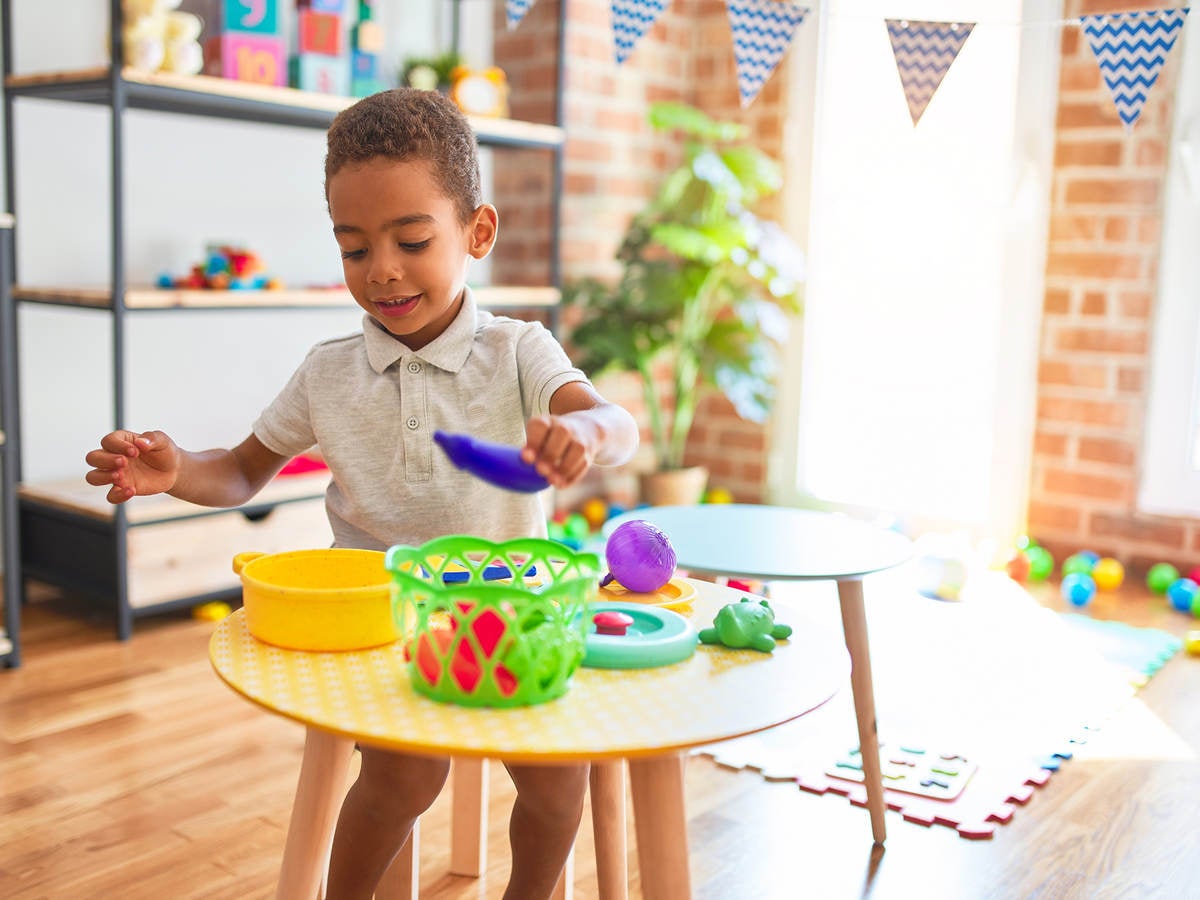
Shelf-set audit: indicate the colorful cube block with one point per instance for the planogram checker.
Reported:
(364, 65)
(367, 37)
(319, 32)
(250, 16)
(322, 74)
(246, 57)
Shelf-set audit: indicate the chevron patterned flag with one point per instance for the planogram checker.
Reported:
(515, 11)
(1131, 49)
(762, 32)
(630, 20)
(924, 52)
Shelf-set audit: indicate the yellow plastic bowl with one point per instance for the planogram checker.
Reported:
(330, 599)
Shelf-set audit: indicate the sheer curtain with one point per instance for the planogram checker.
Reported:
(913, 388)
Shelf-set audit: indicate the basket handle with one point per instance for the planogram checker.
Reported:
(243, 559)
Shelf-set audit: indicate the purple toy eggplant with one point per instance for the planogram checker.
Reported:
(498, 464)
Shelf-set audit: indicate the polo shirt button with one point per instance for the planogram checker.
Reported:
(414, 367)
(413, 423)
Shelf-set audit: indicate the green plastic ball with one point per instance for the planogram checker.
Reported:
(1078, 564)
(577, 526)
(1041, 563)
(1160, 577)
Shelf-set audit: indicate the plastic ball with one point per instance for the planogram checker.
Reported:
(1160, 577)
(1182, 593)
(576, 526)
(1024, 542)
(718, 495)
(615, 510)
(1090, 555)
(1018, 567)
(595, 511)
(1191, 643)
(640, 556)
(1196, 607)
(213, 611)
(1108, 574)
(1194, 574)
(1078, 563)
(940, 576)
(1078, 588)
(1041, 563)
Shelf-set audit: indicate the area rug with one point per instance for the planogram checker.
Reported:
(1139, 652)
(993, 679)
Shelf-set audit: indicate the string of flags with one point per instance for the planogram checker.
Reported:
(1130, 47)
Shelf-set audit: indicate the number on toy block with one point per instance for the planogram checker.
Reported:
(250, 16)
(244, 57)
(319, 33)
(322, 74)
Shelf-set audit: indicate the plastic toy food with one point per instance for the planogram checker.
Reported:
(498, 464)
(746, 624)
(640, 557)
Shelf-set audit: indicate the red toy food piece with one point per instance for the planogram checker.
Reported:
(612, 622)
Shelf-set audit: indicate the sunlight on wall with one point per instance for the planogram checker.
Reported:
(911, 237)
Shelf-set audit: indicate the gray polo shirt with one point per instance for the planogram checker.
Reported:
(371, 405)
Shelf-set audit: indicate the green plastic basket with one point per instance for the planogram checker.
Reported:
(477, 638)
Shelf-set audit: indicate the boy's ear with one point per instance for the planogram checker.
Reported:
(485, 222)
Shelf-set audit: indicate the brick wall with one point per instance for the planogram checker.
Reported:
(1101, 281)
(613, 165)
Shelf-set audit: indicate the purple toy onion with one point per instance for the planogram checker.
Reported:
(640, 557)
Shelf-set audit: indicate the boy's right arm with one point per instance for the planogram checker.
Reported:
(151, 463)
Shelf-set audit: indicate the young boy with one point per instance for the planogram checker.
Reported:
(402, 186)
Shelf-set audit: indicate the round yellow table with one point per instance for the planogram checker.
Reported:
(646, 716)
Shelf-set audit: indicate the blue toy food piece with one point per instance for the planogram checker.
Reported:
(498, 464)
(746, 624)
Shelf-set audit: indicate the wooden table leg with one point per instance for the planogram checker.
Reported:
(319, 792)
(660, 821)
(608, 829)
(468, 816)
(854, 623)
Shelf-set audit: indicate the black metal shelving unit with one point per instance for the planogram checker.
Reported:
(76, 548)
(10, 450)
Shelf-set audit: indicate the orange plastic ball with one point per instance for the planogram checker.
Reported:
(1018, 567)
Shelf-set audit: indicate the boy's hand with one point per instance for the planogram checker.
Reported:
(134, 464)
(560, 447)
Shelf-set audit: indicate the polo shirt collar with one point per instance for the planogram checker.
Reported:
(448, 351)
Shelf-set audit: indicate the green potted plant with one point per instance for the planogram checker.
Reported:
(706, 286)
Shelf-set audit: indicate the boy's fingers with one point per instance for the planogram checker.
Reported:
(119, 442)
(119, 494)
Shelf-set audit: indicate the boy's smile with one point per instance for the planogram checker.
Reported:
(404, 246)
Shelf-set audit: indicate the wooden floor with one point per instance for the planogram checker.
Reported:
(127, 770)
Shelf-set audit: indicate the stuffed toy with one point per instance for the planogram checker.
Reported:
(159, 38)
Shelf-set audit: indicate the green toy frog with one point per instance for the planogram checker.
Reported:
(746, 624)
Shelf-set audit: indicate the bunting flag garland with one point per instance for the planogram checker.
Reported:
(630, 20)
(515, 11)
(1131, 49)
(762, 33)
(924, 52)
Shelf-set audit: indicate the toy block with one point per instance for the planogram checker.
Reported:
(323, 74)
(246, 57)
(329, 6)
(319, 32)
(250, 16)
(364, 65)
(367, 37)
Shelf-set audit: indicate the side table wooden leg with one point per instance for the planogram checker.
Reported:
(660, 820)
(608, 829)
(319, 792)
(468, 816)
(854, 624)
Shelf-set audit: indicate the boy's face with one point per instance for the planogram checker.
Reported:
(404, 249)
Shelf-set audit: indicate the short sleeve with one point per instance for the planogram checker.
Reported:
(285, 426)
(543, 367)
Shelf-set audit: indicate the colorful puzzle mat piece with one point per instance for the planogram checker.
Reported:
(910, 769)
(1140, 652)
(998, 678)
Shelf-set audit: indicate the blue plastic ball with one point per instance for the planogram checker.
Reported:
(1090, 555)
(1078, 589)
(1182, 592)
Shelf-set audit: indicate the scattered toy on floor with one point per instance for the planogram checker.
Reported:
(1078, 588)
(1108, 574)
(1160, 577)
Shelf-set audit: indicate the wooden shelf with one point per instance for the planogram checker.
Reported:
(80, 498)
(204, 95)
(151, 298)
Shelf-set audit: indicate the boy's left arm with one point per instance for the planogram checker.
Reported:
(583, 429)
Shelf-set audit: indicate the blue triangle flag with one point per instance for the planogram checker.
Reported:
(515, 11)
(924, 52)
(1131, 49)
(630, 20)
(762, 32)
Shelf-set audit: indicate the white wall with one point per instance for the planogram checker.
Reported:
(190, 181)
(925, 257)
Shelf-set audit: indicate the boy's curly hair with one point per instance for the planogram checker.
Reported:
(408, 124)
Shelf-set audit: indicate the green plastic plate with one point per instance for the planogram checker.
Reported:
(657, 637)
